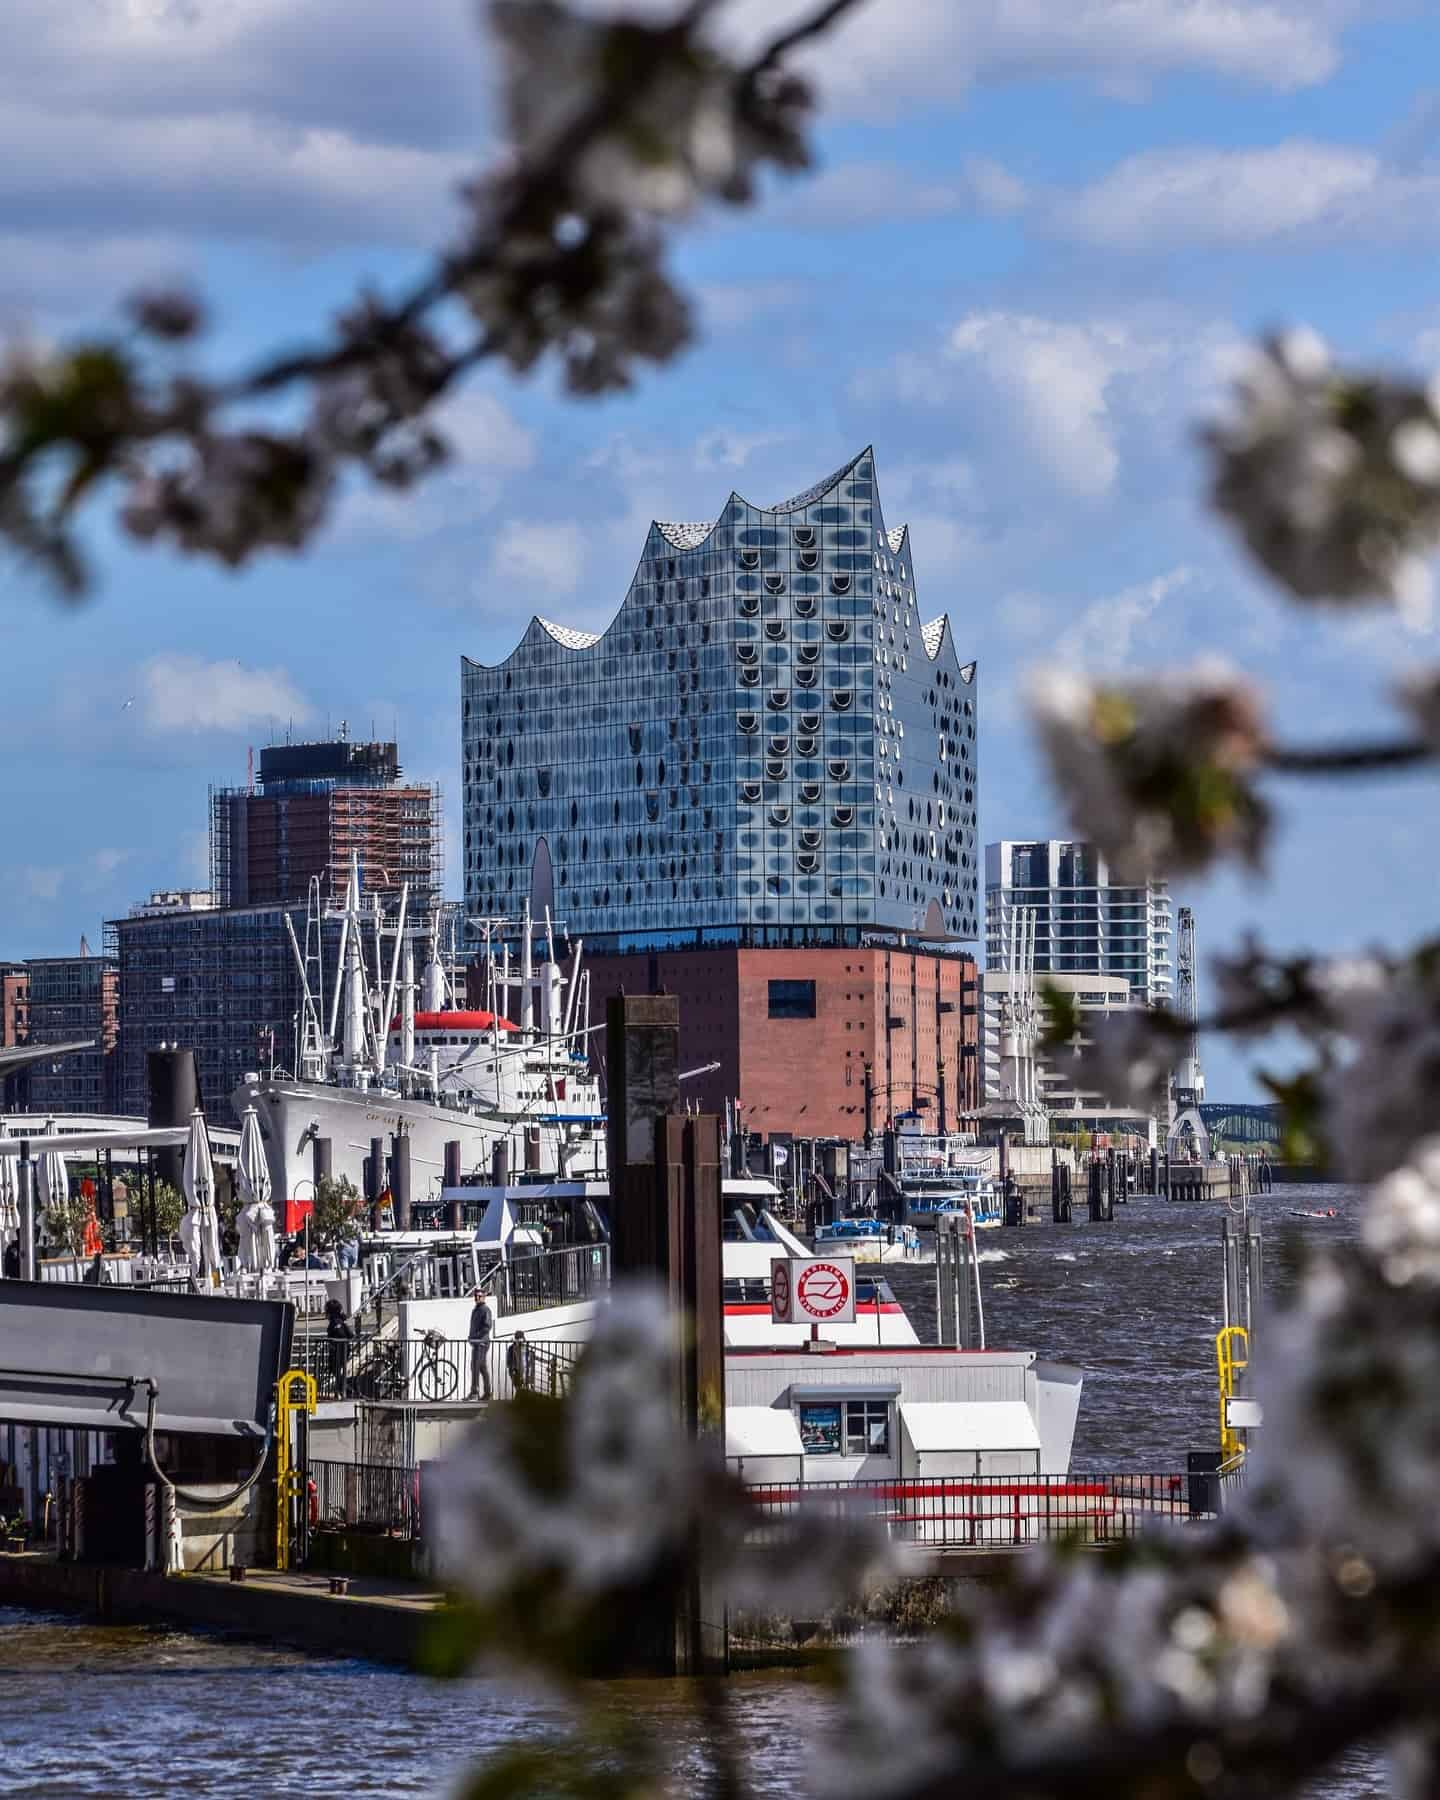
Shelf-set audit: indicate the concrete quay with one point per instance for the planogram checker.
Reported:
(378, 1620)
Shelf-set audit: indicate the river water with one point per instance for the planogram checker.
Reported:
(89, 1711)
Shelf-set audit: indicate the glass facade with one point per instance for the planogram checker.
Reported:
(765, 746)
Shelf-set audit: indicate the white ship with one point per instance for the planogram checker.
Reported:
(391, 1057)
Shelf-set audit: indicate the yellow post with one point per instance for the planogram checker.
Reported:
(1232, 1355)
(287, 1476)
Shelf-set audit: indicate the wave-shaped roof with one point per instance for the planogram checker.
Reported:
(821, 488)
(692, 535)
(568, 635)
(685, 536)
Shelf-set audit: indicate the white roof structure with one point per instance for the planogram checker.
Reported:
(969, 1425)
(685, 535)
(932, 636)
(895, 537)
(821, 488)
(761, 1431)
(568, 635)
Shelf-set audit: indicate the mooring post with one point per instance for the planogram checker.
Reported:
(664, 1174)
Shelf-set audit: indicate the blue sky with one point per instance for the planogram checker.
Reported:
(1035, 236)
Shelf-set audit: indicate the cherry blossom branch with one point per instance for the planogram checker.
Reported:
(619, 128)
(1347, 759)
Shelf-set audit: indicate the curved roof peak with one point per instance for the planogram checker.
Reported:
(568, 635)
(684, 535)
(821, 488)
(933, 634)
(895, 537)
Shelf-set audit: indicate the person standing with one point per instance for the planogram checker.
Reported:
(482, 1327)
(339, 1337)
(520, 1363)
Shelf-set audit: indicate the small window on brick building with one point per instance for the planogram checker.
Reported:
(792, 999)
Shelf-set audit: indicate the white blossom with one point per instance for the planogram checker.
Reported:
(628, 1495)
(1401, 1228)
(685, 124)
(1156, 773)
(1127, 1059)
(1385, 1093)
(1333, 482)
(1349, 1381)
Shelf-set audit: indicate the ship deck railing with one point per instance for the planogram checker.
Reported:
(987, 1512)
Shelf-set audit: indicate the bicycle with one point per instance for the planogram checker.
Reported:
(435, 1379)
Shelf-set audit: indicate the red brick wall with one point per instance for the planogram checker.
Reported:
(807, 1075)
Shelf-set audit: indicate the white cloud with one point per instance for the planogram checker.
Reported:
(488, 447)
(1201, 197)
(1061, 376)
(234, 175)
(1103, 635)
(542, 554)
(894, 54)
(181, 692)
(723, 449)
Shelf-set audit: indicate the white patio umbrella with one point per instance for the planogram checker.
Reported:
(9, 1199)
(257, 1216)
(52, 1185)
(200, 1228)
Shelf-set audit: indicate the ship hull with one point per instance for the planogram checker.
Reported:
(294, 1114)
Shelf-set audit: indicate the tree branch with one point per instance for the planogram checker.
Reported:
(816, 25)
(1347, 759)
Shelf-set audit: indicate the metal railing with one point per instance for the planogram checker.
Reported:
(431, 1368)
(550, 1278)
(365, 1496)
(965, 1512)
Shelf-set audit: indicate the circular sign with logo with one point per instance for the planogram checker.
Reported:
(823, 1291)
(779, 1290)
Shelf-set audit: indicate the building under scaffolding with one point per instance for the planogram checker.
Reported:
(313, 809)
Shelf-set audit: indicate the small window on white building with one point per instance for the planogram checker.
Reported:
(845, 1428)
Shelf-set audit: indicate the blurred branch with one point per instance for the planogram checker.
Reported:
(1347, 759)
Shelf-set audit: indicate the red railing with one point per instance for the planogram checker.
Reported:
(992, 1511)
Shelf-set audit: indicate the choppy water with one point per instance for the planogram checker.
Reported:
(1136, 1305)
(96, 1712)
(101, 1712)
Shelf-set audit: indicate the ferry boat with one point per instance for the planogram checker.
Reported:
(393, 1057)
(937, 1175)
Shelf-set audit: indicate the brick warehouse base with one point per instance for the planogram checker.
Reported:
(907, 1011)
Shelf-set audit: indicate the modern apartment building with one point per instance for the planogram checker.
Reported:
(769, 750)
(1085, 922)
(1107, 944)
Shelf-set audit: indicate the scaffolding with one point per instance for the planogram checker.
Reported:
(265, 847)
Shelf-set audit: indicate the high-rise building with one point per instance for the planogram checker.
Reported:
(770, 753)
(70, 999)
(314, 808)
(1104, 943)
(1086, 922)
